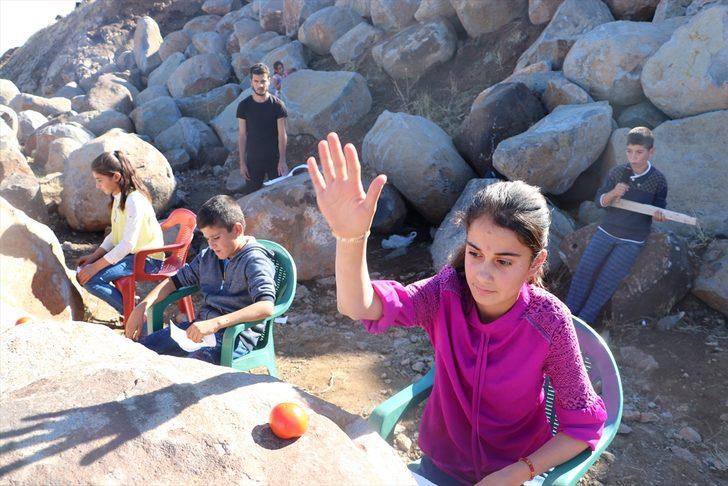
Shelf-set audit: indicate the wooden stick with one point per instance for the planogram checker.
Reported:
(650, 210)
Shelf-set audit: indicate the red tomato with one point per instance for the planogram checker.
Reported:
(288, 420)
(23, 320)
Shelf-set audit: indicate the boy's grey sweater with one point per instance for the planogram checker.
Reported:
(248, 277)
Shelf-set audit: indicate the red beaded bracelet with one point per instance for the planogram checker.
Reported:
(531, 469)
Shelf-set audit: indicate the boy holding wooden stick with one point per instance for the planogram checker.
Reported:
(618, 241)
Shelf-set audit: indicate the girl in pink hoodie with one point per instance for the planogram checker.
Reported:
(495, 331)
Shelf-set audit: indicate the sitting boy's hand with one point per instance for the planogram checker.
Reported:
(200, 329)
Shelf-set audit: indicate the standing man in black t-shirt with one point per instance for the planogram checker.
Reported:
(262, 135)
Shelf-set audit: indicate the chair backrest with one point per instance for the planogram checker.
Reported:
(187, 222)
(285, 278)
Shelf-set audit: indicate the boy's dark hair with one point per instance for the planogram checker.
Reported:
(221, 211)
(109, 163)
(259, 68)
(641, 136)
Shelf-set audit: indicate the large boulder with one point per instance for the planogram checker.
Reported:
(245, 29)
(160, 76)
(209, 43)
(226, 123)
(391, 211)
(147, 40)
(69, 90)
(711, 284)
(41, 140)
(8, 137)
(355, 44)
(100, 122)
(13, 162)
(420, 160)
(155, 116)
(667, 9)
(286, 212)
(554, 151)
(362, 7)
(484, 16)
(84, 207)
(151, 93)
(199, 74)
(254, 50)
(691, 152)
(8, 91)
(541, 11)
(683, 85)
(111, 93)
(34, 276)
(643, 114)
(23, 192)
(320, 102)
(46, 106)
(10, 118)
(626, 46)
(572, 19)
(59, 151)
(176, 41)
(416, 49)
(220, 7)
(639, 10)
(206, 106)
(202, 23)
(659, 278)
(295, 13)
(190, 134)
(28, 122)
(100, 405)
(323, 27)
(434, 9)
(507, 110)
(292, 55)
(564, 92)
(270, 16)
(393, 15)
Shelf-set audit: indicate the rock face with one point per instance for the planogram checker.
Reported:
(161, 74)
(541, 11)
(209, 43)
(147, 40)
(354, 45)
(246, 29)
(45, 106)
(108, 93)
(507, 110)
(711, 284)
(691, 152)
(572, 20)
(254, 50)
(8, 91)
(563, 92)
(151, 93)
(58, 152)
(683, 85)
(270, 15)
(199, 74)
(86, 208)
(287, 213)
(434, 9)
(43, 137)
(19, 186)
(147, 403)
(206, 106)
(176, 41)
(295, 13)
(484, 16)
(393, 15)
(190, 134)
(100, 122)
(633, 9)
(34, 276)
(643, 114)
(28, 122)
(659, 278)
(220, 7)
(411, 52)
(292, 55)
(155, 116)
(554, 151)
(419, 159)
(323, 27)
(322, 101)
(667, 9)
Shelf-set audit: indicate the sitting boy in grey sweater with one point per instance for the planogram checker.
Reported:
(235, 275)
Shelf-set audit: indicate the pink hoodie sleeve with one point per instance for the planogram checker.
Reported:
(580, 411)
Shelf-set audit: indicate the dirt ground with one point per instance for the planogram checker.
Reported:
(333, 358)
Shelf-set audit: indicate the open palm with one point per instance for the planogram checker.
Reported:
(339, 191)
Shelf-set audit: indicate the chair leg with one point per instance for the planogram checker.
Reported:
(126, 285)
(185, 305)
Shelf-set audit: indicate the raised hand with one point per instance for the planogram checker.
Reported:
(339, 191)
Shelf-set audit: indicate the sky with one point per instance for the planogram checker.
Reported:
(19, 19)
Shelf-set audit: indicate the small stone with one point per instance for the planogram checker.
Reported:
(631, 415)
(648, 417)
(403, 442)
(724, 417)
(383, 375)
(690, 434)
(388, 381)
(404, 362)
(399, 429)
(413, 338)
(609, 457)
(683, 454)
(624, 429)
(419, 366)
(652, 405)
(685, 375)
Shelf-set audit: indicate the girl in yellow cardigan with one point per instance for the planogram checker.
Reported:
(134, 227)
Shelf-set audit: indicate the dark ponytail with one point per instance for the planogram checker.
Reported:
(110, 163)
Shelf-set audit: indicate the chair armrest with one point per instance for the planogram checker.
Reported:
(141, 256)
(155, 314)
(388, 413)
(228, 340)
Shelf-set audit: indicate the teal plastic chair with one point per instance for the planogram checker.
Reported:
(603, 373)
(264, 352)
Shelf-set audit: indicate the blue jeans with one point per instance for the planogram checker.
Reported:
(161, 342)
(605, 263)
(100, 284)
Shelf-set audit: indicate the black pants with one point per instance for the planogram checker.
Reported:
(259, 168)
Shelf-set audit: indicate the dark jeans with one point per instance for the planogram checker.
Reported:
(259, 168)
(161, 342)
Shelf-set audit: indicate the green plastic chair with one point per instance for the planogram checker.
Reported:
(603, 373)
(264, 352)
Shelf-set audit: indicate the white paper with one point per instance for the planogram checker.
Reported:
(290, 174)
(180, 337)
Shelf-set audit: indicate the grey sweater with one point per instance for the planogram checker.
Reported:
(227, 286)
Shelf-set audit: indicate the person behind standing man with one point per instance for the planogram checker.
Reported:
(262, 135)
(618, 241)
(276, 81)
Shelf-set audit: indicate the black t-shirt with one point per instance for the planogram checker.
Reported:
(261, 121)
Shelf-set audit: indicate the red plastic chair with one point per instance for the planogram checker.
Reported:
(176, 255)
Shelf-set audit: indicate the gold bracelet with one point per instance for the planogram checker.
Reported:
(341, 239)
